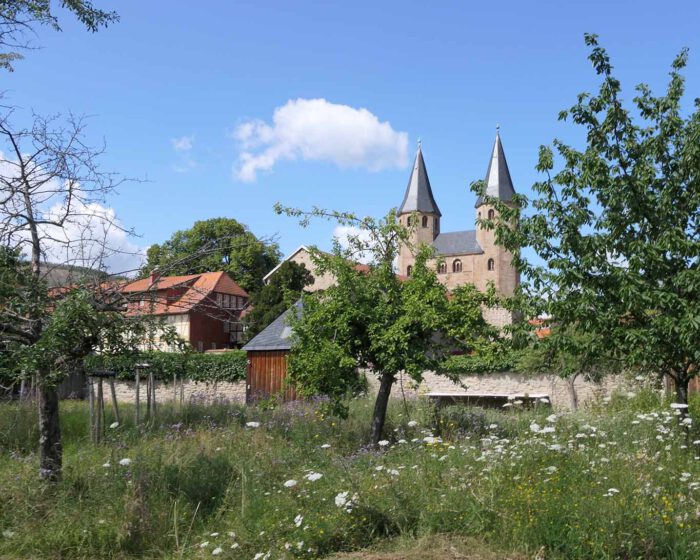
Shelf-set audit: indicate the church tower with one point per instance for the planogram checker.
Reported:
(419, 204)
(496, 263)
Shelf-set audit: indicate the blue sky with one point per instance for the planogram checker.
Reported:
(173, 84)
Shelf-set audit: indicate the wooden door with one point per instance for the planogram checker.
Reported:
(267, 372)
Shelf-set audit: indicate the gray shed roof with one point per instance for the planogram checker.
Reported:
(277, 335)
(498, 181)
(419, 195)
(457, 243)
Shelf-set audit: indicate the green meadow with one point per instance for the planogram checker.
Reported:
(618, 480)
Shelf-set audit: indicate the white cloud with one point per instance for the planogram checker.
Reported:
(183, 148)
(354, 238)
(318, 130)
(91, 237)
(182, 144)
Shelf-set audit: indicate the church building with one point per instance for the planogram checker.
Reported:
(469, 256)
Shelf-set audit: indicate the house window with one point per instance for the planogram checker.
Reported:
(409, 270)
(456, 265)
(425, 221)
(220, 300)
(442, 268)
(491, 264)
(409, 221)
(227, 326)
(492, 214)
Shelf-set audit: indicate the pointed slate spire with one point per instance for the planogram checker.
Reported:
(419, 195)
(498, 181)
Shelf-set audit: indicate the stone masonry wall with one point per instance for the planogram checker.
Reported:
(192, 390)
(506, 384)
(488, 384)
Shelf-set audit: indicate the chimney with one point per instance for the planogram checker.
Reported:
(155, 275)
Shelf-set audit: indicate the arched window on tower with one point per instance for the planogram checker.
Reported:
(492, 214)
(456, 265)
(442, 268)
(491, 264)
(425, 221)
(409, 270)
(409, 221)
(436, 225)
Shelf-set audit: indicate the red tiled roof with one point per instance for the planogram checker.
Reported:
(196, 287)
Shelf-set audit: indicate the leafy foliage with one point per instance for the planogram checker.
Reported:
(213, 245)
(489, 358)
(617, 229)
(207, 367)
(18, 19)
(284, 288)
(373, 320)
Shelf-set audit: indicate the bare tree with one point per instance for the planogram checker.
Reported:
(51, 210)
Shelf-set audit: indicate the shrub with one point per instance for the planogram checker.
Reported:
(490, 362)
(223, 366)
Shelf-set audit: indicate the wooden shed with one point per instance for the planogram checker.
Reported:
(267, 356)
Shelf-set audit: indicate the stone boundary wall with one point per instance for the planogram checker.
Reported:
(192, 390)
(505, 384)
(487, 384)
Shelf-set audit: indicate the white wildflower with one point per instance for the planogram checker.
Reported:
(313, 476)
(106, 465)
(535, 427)
(677, 405)
(214, 535)
(552, 418)
(218, 550)
(252, 425)
(125, 462)
(325, 446)
(341, 499)
(205, 544)
(8, 534)
(382, 443)
(298, 520)
(412, 424)
(290, 483)
(114, 425)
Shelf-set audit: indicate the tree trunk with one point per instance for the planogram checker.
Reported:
(572, 391)
(380, 407)
(681, 383)
(50, 449)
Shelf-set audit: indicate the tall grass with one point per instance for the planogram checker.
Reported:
(620, 481)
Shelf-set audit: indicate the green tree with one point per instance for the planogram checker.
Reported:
(617, 229)
(284, 288)
(212, 245)
(19, 18)
(369, 319)
(568, 354)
